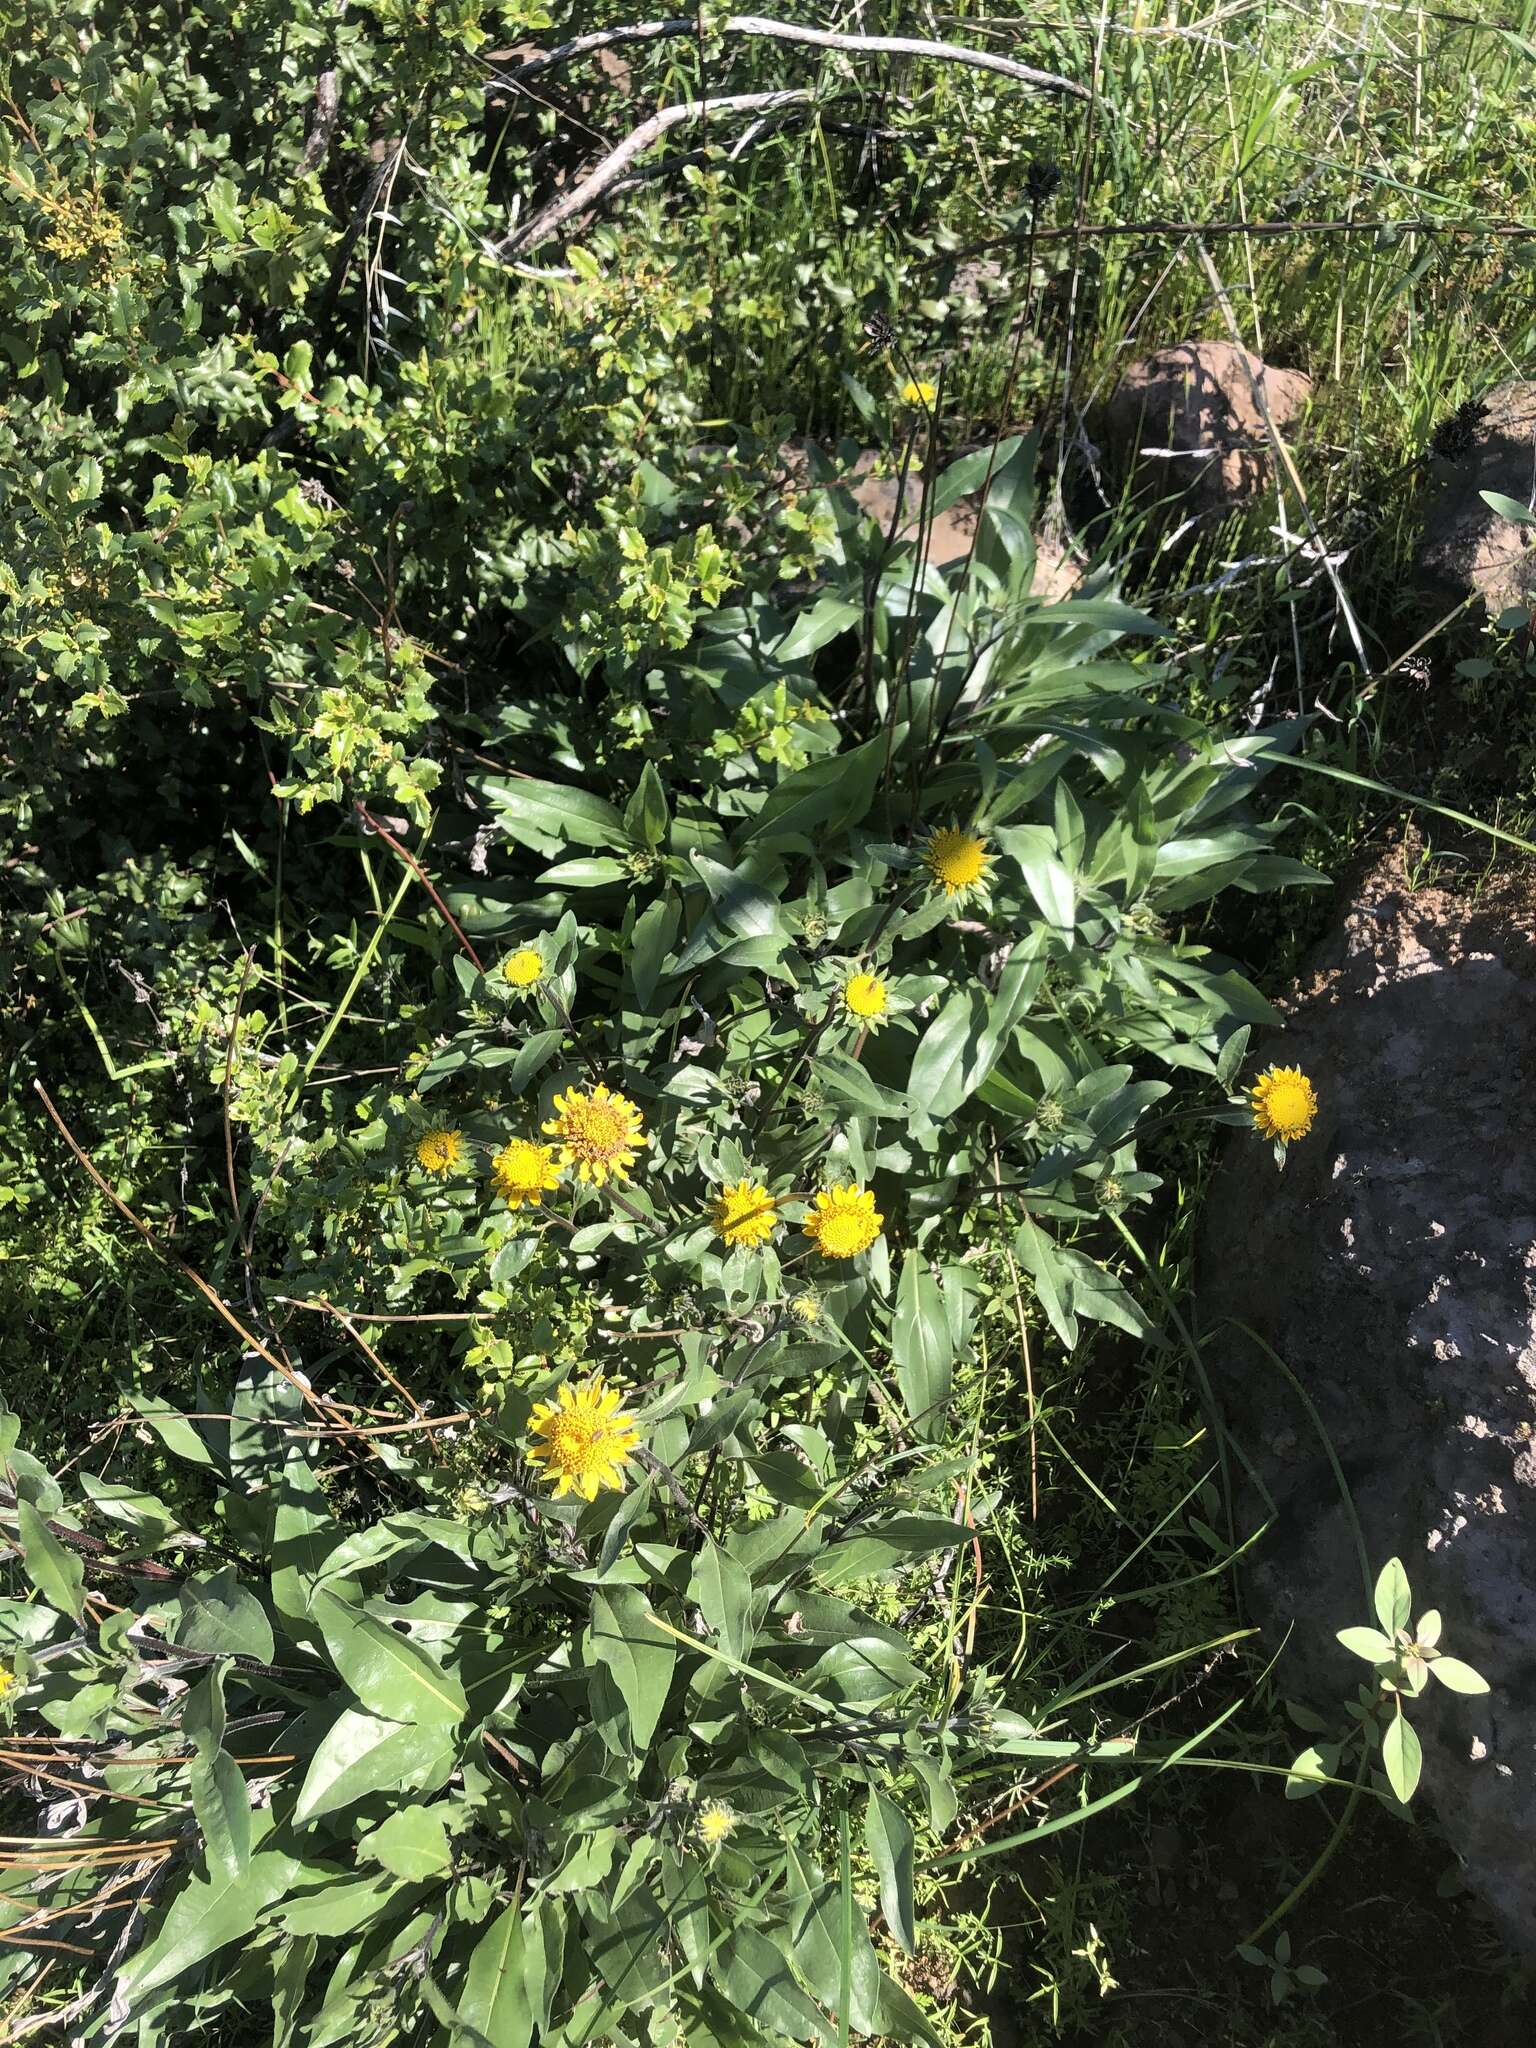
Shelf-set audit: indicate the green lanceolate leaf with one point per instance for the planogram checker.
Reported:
(204, 1916)
(495, 1998)
(386, 1670)
(53, 1568)
(362, 1756)
(1401, 1756)
(1394, 1601)
(636, 1654)
(220, 1798)
(888, 1837)
(547, 815)
(722, 1589)
(922, 1348)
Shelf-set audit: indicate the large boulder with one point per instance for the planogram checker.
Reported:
(1392, 1266)
(1468, 548)
(1185, 424)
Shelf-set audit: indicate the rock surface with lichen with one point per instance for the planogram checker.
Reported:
(1392, 1267)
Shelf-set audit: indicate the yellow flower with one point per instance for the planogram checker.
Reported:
(743, 1214)
(524, 967)
(583, 1438)
(599, 1132)
(806, 1309)
(866, 997)
(956, 860)
(7, 1681)
(914, 392)
(844, 1222)
(524, 1172)
(439, 1151)
(1284, 1103)
(717, 1822)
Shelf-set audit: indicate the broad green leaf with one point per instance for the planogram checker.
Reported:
(545, 815)
(893, 1542)
(362, 1755)
(221, 1618)
(1368, 1643)
(743, 907)
(638, 1655)
(888, 1837)
(756, 1977)
(653, 937)
(629, 1948)
(948, 1063)
(53, 1568)
(385, 1669)
(646, 816)
(1458, 1677)
(814, 1928)
(723, 1592)
(494, 2000)
(821, 800)
(921, 1347)
(1401, 1756)
(1055, 892)
(412, 1843)
(1394, 1602)
(863, 1669)
(203, 1916)
(220, 1798)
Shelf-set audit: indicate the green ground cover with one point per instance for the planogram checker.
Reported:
(517, 892)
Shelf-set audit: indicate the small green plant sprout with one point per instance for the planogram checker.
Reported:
(1285, 1976)
(1403, 1660)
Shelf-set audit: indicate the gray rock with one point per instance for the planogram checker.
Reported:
(1468, 547)
(1392, 1265)
(1184, 423)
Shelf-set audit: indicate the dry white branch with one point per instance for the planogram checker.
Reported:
(795, 32)
(583, 197)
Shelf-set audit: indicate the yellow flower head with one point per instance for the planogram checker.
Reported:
(583, 1438)
(7, 1681)
(844, 1222)
(806, 1309)
(717, 1823)
(439, 1151)
(918, 392)
(1284, 1103)
(866, 997)
(956, 860)
(743, 1214)
(523, 968)
(599, 1132)
(524, 1172)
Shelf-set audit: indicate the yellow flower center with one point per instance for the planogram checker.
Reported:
(524, 967)
(583, 1439)
(956, 860)
(918, 391)
(1284, 1103)
(717, 1822)
(439, 1151)
(524, 1172)
(844, 1222)
(743, 1214)
(865, 995)
(598, 1132)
